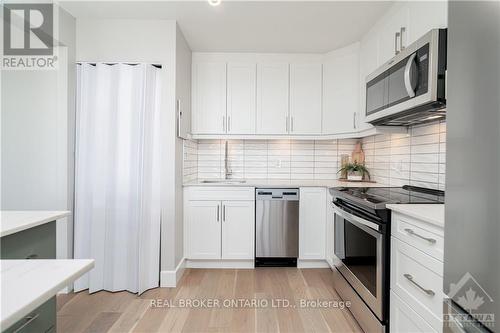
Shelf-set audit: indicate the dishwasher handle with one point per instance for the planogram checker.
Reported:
(277, 194)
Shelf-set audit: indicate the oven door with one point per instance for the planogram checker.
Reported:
(359, 257)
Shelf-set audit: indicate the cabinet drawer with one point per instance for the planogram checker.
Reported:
(404, 319)
(418, 279)
(425, 237)
(41, 320)
(220, 193)
(35, 243)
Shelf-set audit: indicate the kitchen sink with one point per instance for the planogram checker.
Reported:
(223, 181)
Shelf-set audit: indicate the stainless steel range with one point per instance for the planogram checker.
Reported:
(361, 247)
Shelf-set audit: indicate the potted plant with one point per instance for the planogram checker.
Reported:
(355, 171)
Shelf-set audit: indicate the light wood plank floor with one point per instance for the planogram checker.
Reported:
(126, 312)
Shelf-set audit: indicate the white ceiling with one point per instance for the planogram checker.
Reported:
(250, 26)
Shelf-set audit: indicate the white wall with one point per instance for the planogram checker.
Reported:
(149, 41)
(38, 111)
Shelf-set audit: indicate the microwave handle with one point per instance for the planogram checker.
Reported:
(409, 88)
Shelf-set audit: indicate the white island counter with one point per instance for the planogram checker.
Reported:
(27, 284)
(12, 221)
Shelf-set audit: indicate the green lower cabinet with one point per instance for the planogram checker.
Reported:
(41, 320)
(35, 243)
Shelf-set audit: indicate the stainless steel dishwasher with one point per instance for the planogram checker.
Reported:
(276, 227)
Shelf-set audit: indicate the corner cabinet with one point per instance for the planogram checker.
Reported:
(312, 223)
(219, 223)
(341, 90)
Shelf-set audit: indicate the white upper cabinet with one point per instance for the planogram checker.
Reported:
(305, 98)
(209, 98)
(241, 98)
(341, 90)
(425, 16)
(368, 62)
(272, 98)
(393, 34)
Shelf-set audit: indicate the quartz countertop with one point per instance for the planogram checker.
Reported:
(285, 183)
(12, 221)
(431, 213)
(27, 284)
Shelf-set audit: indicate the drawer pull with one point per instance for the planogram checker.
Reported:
(29, 319)
(413, 233)
(427, 291)
(32, 256)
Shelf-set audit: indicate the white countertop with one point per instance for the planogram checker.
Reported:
(287, 183)
(12, 221)
(432, 213)
(27, 284)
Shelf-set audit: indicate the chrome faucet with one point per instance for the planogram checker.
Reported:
(227, 171)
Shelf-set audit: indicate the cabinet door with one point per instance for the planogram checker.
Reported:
(209, 98)
(368, 62)
(404, 319)
(272, 98)
(305, 98)
(312, 222)
(426, 15)
(340, 92)
(330, 237)
(238, 229)
(393, 23)
(241, 98)
(204, 232)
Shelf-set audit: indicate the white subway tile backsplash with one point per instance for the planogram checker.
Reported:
(417, 158)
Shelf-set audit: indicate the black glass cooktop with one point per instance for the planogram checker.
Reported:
(386, 195)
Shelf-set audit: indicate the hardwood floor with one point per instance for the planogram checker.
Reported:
(126, 312)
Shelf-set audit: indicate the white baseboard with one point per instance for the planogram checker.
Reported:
(330, 263)
(312, 263)
(235, 264)
(169, 279)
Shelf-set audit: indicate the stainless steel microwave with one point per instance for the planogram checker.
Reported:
(410, 88)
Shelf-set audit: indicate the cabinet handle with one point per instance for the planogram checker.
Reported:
(286, 123)
(427, 291)
(291, 124)
(32, 256)
(223, 123)
(396, 36)
(401, 32)
(354, 120)
(413, 233)
(29, 320)
(217, 213)
(224, 213)
(228, 124)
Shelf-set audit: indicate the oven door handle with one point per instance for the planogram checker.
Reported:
(356, 219)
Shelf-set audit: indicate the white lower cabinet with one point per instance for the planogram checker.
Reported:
(218, 229)
(404, 319)
(238, 229)
(312, 223)
(330, 236)
(204, 229)
(416, 275)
